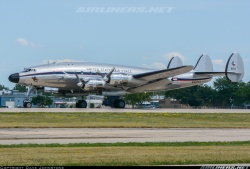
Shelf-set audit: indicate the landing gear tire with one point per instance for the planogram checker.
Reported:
(27, 105)
(119, 103)
(81, 104)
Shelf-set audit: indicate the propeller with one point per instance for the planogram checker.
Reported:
(80, 82)
(106, 77)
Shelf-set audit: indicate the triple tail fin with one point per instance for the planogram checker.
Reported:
(234, 70)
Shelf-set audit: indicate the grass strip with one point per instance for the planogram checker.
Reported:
(133, 144)
(125, 154)
(124, 120)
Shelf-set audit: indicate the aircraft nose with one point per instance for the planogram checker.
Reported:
(14, 78)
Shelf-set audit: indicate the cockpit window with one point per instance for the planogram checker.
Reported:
(29, 70)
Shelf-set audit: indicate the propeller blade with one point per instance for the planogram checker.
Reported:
(80, 83)
(67, 75)
(77, 77)
(106, 78)
(109, 74)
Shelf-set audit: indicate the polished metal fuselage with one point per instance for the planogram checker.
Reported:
(62, 75)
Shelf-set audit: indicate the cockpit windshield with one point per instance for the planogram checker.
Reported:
(29, 70)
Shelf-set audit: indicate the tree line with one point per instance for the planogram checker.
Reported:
(222, 94)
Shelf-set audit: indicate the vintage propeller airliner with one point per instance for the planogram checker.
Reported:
(114, 81)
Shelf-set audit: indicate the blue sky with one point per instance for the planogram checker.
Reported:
(34, 32)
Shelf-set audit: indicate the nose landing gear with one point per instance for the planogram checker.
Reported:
(27, 102)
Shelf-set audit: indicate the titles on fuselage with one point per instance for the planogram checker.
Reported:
(109, 69)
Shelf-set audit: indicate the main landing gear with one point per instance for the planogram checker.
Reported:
(119, 103)
(81, 104)
(114, 101)
(111, 101)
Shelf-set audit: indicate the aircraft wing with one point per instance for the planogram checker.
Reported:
(157, 85)
(165, 73)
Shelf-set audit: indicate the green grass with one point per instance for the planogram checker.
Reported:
(118, 154)
(124, 120)
(125, 154)
(133, 144)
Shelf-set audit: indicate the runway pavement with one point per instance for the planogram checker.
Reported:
(108, 109)
(112, 135)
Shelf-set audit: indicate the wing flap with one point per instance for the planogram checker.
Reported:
(165, 73)
(151, 86)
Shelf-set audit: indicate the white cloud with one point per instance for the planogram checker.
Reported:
(218, 62)
(144, 65)
(171, 54)
(155, 65)
(25, 42)
(60, 60)
(163, 65)
(159, 65)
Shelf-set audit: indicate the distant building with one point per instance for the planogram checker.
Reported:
(153, 103)
(171, 103)
(71, 102)
(155, 100)
(12, 98)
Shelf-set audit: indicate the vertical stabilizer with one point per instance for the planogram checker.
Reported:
(204, 64)
(234, 68)
(175, 62)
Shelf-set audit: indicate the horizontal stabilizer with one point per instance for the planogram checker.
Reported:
(211, 73)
